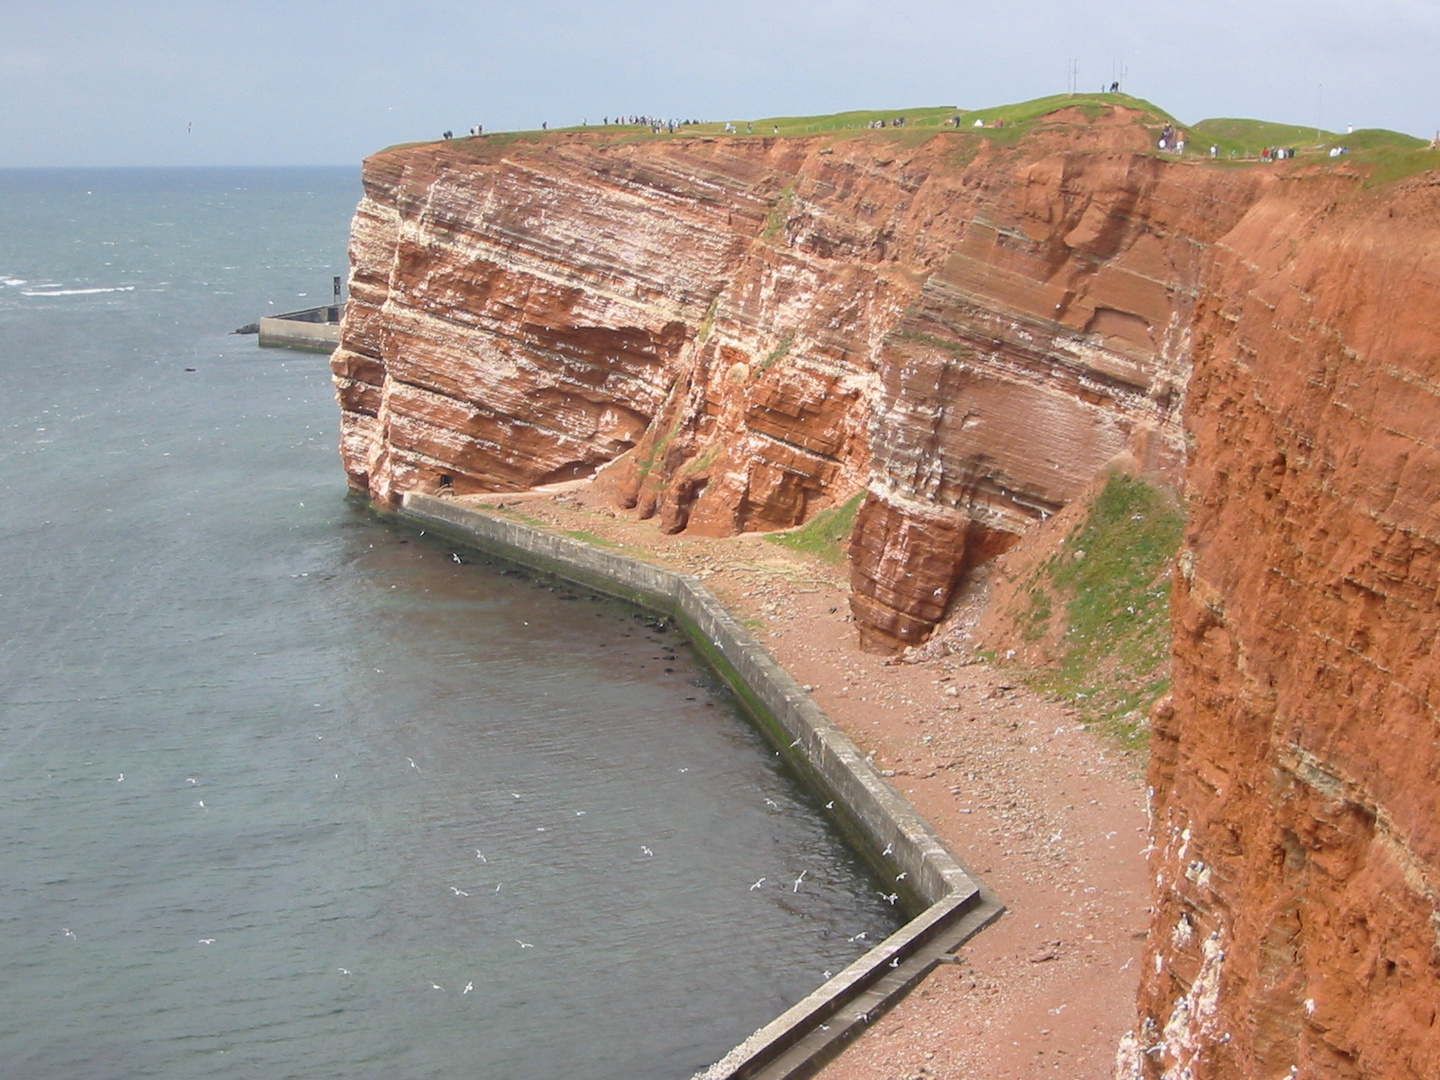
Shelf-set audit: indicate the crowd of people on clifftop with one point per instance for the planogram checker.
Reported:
(654, 123)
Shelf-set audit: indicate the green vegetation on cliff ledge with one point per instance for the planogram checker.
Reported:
(825, 535)
(1111, 579)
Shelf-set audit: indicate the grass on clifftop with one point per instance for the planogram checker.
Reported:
(825, 535)
(925, 121)
(1111, 581)
(1246, 138)
(921, 121)
(1383, 156)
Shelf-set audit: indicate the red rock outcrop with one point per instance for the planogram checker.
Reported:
(1296, 769)
(752, 329)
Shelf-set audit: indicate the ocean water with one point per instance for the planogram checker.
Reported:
(285, 790)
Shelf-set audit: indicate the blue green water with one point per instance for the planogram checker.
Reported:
(382, 814)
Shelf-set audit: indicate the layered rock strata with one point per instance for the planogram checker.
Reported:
(754, 329)
(734, 333)
(1296, 769)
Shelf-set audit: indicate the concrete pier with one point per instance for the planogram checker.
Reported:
(314, 329)
(949, 904)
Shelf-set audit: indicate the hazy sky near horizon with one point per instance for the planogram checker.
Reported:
(259, 82)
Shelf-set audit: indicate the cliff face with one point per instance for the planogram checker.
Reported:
(734, 333)
(752, 329)
(1052, 338)
(1296, 771)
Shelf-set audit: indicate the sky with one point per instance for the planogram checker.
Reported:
(259, 82)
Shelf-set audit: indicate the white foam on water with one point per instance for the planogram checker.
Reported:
(48, 291)
(13, 281)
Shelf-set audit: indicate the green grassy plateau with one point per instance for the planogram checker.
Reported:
(1381, 155)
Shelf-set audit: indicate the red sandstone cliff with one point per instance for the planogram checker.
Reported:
(752, 329)
(741, 331)
(1296, 771)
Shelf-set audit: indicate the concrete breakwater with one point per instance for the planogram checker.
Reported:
(314, 329)
(948, 903)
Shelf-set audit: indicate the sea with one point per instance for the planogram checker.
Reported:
(286, 790)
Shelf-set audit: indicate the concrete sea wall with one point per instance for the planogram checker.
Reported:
(314, 329)
(949, 902)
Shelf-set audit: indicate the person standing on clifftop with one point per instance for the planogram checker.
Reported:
(544, 125)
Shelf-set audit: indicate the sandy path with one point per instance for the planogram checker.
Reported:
(1047, 813)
